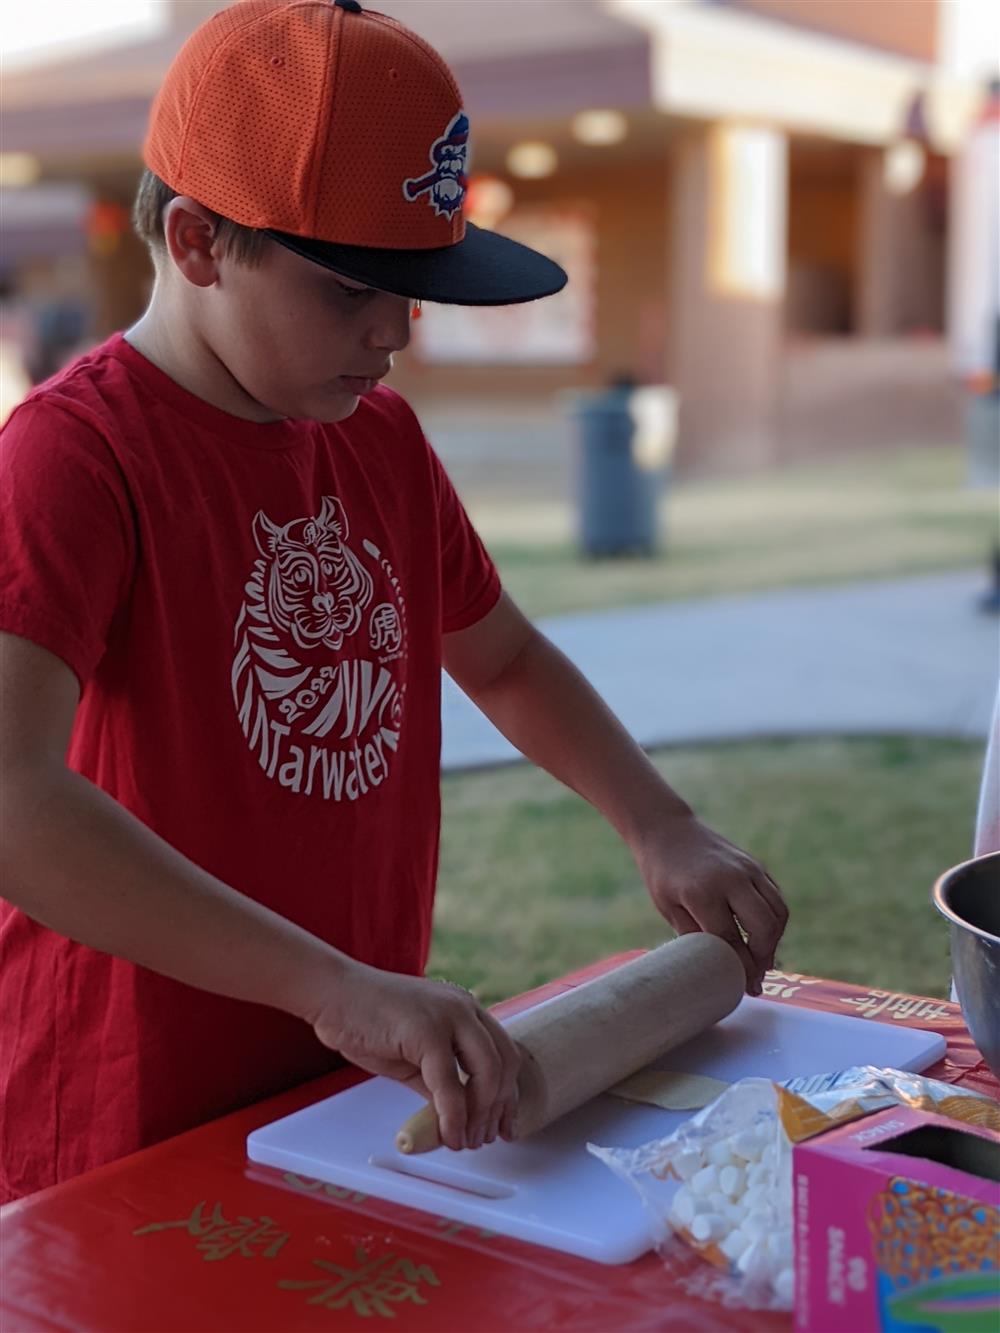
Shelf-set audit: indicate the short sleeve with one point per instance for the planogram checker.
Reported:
(66, 534)
(470, 584)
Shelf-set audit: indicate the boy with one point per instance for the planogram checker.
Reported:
(232, 571)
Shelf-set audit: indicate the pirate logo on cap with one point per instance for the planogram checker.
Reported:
(445, 186)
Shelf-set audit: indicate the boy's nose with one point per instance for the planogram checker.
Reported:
(390, 323)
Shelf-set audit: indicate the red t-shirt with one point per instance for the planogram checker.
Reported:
(254, 612)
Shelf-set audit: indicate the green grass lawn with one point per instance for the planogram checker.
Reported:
(855, 517)
(534, 884)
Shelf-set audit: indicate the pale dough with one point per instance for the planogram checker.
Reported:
(671, 1091)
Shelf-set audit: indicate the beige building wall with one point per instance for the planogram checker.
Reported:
(909, 27)
(628, 207)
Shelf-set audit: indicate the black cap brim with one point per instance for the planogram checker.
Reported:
(482, 269)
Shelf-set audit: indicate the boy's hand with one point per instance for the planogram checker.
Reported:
(423, 1033)
(701, 881)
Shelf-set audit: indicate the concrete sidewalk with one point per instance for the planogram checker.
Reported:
(901, 655)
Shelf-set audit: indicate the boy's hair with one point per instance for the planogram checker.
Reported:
(243, 245)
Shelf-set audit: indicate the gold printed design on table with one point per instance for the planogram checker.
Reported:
(373, 1288)
(450, 1229)
(901, 1007)
(783, 985)
(248, 1237)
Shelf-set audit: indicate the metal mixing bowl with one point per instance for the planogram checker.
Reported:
(969, 896)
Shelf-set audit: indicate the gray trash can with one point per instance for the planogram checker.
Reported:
(625, 439)
(982, 438)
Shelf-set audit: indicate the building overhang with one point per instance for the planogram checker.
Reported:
(714, 62)
(676, 58)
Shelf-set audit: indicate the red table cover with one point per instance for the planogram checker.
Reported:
(188, 1237)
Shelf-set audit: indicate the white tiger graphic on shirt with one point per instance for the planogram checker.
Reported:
(316, 586)
(293, 675)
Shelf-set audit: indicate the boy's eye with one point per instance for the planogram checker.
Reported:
(355, 293)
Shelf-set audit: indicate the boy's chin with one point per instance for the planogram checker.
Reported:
(326, 410)
(331, 415)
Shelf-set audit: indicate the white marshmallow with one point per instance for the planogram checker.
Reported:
(759, 1199)
(753, 1263)
(732, 1181)
(705, 1181)
(720, 1153)
(733, 1245)
(683, 1207)
(784, 1287)
(759, 1224)
(687, 1163)
(746, 1145)
(758, 1174)
(708, 1227)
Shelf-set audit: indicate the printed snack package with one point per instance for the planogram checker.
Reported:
(897, 1226)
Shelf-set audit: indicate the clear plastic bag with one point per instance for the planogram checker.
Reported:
(721, 1184)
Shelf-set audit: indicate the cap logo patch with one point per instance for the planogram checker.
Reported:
(445, 186)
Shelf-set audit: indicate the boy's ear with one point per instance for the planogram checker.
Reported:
(189, 233)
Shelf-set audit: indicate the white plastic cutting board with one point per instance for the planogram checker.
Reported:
(549, 1189)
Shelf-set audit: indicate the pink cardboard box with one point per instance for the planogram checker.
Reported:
(897, 1226)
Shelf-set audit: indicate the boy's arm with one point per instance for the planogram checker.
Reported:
(75, 860)
(536, 697)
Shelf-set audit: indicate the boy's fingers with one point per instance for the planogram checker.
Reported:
(509, 1052)
(769, 891)
(683, 922)
(418, 1085)
(508, 1124)
(478, 1054)
(504, 1108)
(716, 917)
(444, 1089)
(762, 926)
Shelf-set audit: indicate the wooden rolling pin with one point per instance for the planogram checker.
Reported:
(583, 1042)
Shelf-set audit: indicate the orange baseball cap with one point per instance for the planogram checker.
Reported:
(341, 134)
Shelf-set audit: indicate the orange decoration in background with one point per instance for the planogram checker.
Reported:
(105, 225)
